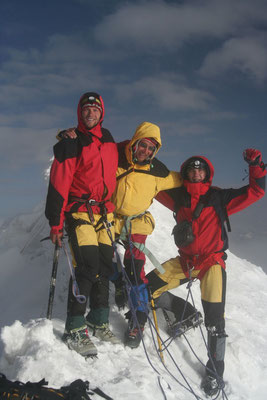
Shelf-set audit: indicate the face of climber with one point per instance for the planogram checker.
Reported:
(90, 116)
(196, 175)
(144, 150)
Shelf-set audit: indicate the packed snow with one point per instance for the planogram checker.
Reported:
(31, 346)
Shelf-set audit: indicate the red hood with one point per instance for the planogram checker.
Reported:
(198, 189)
(96, 130)
(205, 160)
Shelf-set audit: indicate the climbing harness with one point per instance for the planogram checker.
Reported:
(89, 203)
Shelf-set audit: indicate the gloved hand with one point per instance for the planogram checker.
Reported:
(253, 157)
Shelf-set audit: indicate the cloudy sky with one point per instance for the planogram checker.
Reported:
(197, 68)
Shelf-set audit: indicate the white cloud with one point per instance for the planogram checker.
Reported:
(245, 54)
(157, 24)
(186, 127)
(66, 66)
(28, 137)
(167, 91)
(63, 67)
(25, 146)
(48, 117)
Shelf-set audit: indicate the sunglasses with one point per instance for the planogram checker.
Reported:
(144, 145)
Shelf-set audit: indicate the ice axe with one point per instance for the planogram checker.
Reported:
(53, 282)
(75, 289)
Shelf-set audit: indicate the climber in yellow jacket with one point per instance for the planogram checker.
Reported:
(140, 177)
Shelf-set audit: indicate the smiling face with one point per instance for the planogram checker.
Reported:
(145, 150)
(196, 175)
(90, 116)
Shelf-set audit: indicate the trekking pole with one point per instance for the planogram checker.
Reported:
(53, 282)
(156, 327)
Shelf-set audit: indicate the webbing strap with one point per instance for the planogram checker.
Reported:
(140, 246)
(126, 225)
(152, 258)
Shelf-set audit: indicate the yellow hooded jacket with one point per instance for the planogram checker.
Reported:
(137, 185)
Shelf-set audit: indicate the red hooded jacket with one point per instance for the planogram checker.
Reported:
(84, 167)
(211, 239)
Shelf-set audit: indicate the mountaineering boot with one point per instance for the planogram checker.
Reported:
(76, 336)
(213, 381)
(178, 328)
(78, 340)
(120, 293)
(103, 332)
(97, 322)
(133, 336)
(134, 333)
(210, 385)
(216, 352)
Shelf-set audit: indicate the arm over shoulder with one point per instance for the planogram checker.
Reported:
(172, 180)
(167, 198)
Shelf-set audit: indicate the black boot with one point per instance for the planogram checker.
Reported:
(120, 293)
(213, 381)
(210, 386)
(216, 351)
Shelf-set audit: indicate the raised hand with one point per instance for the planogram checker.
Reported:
(252, 156)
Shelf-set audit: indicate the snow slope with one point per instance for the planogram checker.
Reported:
(31, 347)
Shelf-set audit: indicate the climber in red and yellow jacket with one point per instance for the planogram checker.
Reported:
(201, 211)
(82, 180)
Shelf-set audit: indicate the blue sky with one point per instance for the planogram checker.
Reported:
(196, 68)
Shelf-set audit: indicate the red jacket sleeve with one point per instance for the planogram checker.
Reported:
(61, 177)
(238, 199)
(164, 198)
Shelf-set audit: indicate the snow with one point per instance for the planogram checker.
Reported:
(31, 346)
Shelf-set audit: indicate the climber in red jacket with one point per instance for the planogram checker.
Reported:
(201, 211)
(82, 180)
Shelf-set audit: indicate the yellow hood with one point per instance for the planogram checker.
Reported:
(144, 130)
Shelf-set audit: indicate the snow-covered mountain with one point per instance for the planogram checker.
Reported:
(31, 348)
